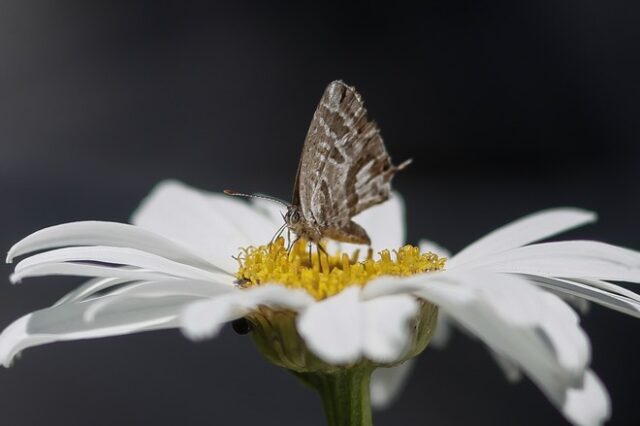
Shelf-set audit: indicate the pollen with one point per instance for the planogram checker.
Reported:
(322, 274)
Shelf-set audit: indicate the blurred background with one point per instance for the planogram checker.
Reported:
(505, 108)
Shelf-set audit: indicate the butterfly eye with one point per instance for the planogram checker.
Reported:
(292, 216)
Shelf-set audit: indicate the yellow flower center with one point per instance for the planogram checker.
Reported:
(324, 275)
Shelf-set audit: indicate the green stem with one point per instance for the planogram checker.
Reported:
(345, 395)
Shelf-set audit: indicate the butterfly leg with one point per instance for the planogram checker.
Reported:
(292, 244)
(322, 249)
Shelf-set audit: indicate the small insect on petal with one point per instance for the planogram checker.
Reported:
(241, 326)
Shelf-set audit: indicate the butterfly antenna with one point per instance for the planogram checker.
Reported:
(262, 197)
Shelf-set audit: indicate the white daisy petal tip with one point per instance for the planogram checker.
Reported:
(11, 254)
(589, 405)
(11, 338)
(194, 323)
(387, 383)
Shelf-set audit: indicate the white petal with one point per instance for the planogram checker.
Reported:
(65, 322)
(120, 256)
(80, 270)
(611, 288)
(433, 247)
(500, 293)
(559, 324)
(89, 288)
(529, 229)
(100, 287)
(158, 289)
(387, 383)
(567, 259)
(385, 223)
(204, 319)
(342, 329)
(386, 285)
(92, 233)
(213, 225)
(589, 291)
(588, 405)
(172, 287)
(332, 327)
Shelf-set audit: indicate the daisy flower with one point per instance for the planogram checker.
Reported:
(348, 322)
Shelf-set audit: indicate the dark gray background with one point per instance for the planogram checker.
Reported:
(506, 109)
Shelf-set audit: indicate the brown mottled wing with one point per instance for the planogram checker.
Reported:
(344, 168)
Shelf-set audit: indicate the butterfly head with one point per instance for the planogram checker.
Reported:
(295, 221)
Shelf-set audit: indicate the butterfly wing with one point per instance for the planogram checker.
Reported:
(344, 168)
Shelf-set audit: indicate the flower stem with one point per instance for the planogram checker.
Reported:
(345, 395)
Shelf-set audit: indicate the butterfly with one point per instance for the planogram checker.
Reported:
(344, 169)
